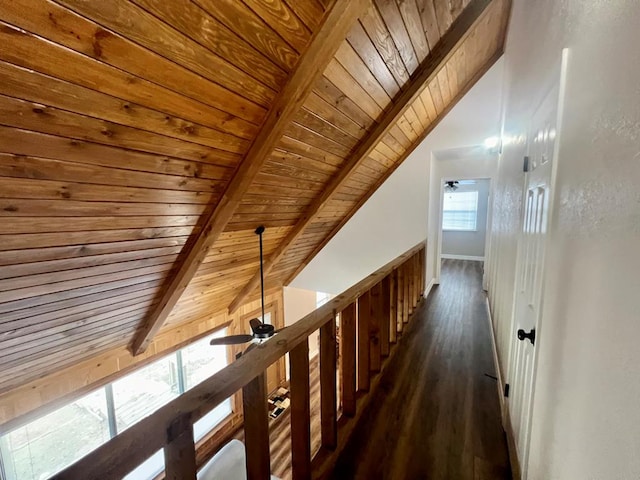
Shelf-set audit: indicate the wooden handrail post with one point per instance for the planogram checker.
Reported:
(300, 412)
(328, 394)
(385, 315)
(400, 298)
(375, 317)
(256, 428)
(364, 311)
(393, 327)
(180, 450)
(348, 357)
(406, 284)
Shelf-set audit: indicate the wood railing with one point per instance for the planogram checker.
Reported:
(372, 314)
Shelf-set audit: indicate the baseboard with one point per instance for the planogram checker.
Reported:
(462, 257)
(504, 408)
(427, 290)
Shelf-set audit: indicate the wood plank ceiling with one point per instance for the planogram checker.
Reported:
(122, 123)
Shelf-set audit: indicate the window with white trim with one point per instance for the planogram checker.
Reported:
(460, 211)
(47, 445)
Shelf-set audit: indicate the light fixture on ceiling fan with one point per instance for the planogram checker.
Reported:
(261, 332)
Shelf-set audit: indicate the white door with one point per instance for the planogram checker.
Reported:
(542, 138)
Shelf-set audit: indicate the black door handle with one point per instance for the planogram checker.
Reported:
(531, 335)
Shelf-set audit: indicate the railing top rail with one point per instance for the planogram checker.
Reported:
(114, 459)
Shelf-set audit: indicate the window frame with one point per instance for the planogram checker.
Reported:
(477, 205)
(106, 390)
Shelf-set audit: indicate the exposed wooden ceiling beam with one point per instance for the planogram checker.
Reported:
(311, 65)
(429, 68)
(388, 173)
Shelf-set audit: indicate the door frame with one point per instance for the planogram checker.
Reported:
(559, 81)
(438, 265)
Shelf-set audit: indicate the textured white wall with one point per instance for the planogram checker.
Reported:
(586, 420)
(394, 219)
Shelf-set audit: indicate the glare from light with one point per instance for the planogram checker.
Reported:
(491, 142)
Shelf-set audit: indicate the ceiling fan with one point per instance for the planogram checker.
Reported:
(261, 331)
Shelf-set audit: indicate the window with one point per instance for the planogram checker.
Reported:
(42, 448)
(47, 445)
(460, 211)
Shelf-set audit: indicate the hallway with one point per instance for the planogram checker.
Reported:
(436, 414)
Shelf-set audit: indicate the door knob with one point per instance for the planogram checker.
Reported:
(531, 335)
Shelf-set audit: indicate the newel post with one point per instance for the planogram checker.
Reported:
(180, 450)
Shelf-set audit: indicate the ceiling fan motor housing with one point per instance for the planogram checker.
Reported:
(263, 330)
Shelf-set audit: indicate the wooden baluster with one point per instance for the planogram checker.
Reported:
(180, 451)
(348, 356)
(300, 412)
(400, 299)
(385, 315)
(406, 282)
(375, 318)
(256, 428)
(412, 285)
(328, 394)
(416, 267)
(393, 327)
(364, 310)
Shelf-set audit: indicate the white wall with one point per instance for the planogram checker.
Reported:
(586, 420)
(394, 219)
(298, 303)
(470, 243)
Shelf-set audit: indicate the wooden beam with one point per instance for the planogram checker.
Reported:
(429, 68)
(479, 74)
(310, 67)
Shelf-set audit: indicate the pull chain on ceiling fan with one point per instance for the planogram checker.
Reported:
(260, 331)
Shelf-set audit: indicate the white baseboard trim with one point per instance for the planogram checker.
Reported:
(427, 290)
(462, 257)
(496, 364)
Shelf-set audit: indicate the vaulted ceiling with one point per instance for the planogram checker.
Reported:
(143, 141)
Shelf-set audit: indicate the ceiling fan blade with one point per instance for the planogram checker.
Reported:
(249, 348)
(255, 323)
(231, 340)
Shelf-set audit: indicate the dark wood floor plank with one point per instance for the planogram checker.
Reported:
(436, 414)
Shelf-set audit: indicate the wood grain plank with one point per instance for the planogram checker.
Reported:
(334, 96)
(429, 20)
(392, 18)
(324, 43)
(28, 51)
(365, 48)
(104, 40)
(413, 23)
(42, 89)
(337, 74)
(352, 62)
(209, 32)
(279, 16)
(309, 11)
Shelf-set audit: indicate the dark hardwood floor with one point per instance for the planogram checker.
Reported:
(436, 414)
